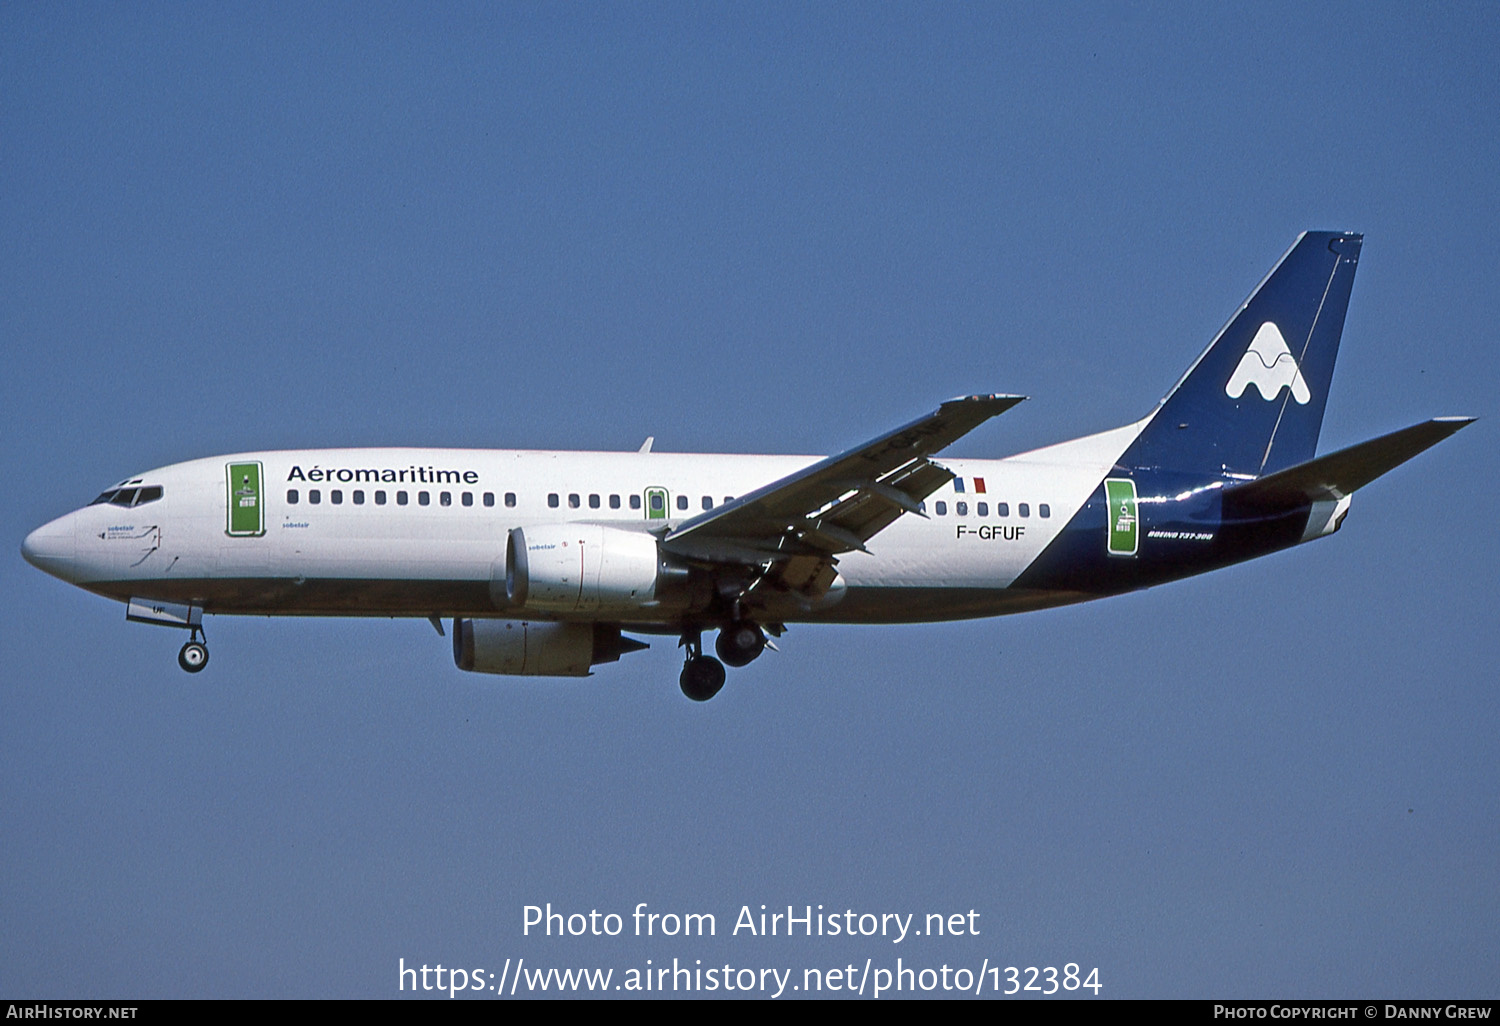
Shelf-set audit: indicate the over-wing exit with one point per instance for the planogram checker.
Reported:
(546, 563)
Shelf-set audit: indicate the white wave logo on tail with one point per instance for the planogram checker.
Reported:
(1270, 366)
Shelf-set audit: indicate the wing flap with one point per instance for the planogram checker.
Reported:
(839, 503)
(872, 506)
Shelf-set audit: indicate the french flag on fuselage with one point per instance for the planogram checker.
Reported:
(958, 485)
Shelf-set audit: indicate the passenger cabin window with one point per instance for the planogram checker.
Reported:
(708, 503)
(614, 502)
(359, 497)
(1002, 509)
(401, 498)
(510, 498)
(291, 496)
(682, 502)
(941, 507)
(1044, 510)
(424, 499)
(982, 508)
(314, 496)
(552, 500)
(1024, 509)
(574, 501)
(336, 497)
(468, 498)
(380, 498)
(635, 502)
(961, 508)
(446, 498)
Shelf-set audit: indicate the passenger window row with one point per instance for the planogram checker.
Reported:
(424, 498)
(128, 497)
(576, 501)
(982, 509)
(554, 500)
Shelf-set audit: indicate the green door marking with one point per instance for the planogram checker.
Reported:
(1123, 522)
(246, 508)
(656, 504)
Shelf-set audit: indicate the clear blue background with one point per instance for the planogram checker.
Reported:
(748, 228)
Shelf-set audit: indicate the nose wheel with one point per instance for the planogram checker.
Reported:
(193, 656)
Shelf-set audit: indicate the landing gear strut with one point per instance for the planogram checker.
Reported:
(194, 655)
(702, 676)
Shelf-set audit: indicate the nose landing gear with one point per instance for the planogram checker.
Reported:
(194, 655)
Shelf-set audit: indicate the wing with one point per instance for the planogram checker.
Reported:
(795, 528)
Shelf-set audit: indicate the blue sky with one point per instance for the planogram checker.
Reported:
(747, 228)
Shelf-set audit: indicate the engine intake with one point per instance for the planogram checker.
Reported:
(582, 568)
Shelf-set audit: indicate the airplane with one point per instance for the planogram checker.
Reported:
(547, 562)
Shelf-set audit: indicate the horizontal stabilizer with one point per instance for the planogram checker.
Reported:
(1338, 474)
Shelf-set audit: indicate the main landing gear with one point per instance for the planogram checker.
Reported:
(738, 645)
(702, 676)
(194, 655)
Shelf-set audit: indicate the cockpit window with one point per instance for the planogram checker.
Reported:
(129, 496)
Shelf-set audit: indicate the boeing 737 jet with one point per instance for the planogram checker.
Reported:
(548, 562)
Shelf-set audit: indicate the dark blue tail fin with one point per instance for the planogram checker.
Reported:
(1253, 403)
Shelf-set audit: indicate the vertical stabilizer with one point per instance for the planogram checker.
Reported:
(1253, 403)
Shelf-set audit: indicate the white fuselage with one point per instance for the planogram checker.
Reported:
(420, 532)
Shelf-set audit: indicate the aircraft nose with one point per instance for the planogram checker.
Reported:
(51, 547)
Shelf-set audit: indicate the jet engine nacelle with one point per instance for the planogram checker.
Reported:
(537, 649)
(580, 568)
